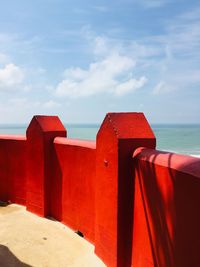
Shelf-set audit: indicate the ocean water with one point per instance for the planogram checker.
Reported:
(184, 139)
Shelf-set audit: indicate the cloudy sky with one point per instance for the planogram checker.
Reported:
(80, 59)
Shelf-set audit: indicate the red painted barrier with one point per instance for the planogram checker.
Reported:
(40, 160)
(138, 211)
(119, 135)
(166, 210)
(13, 168)
(77, 160)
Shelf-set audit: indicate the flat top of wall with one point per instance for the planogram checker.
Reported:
(12, 137)
(75, 142)
(182, 163)
(47, 123)
(129, 125)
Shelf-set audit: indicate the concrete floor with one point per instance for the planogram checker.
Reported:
(27, 240)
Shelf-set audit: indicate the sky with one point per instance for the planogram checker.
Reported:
(81, 59)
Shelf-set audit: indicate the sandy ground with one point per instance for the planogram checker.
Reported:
(27, 240)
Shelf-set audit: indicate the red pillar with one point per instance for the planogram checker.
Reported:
(119, 135)
(40, 162)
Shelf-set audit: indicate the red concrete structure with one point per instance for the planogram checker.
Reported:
(119, 135)
(40, 160)
(13, 168)
(138, 206)
(166, 209)
(77, 160)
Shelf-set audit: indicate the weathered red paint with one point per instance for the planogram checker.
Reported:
(119, 135)
(138, 211)
(40, 159)
(77, 160)
(166, 210)
(13, 168)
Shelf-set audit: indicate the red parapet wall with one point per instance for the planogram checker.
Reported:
(166, 209)
(138, 206)
(41, 163)
(119, 135)
(13, 156)
(77, 161)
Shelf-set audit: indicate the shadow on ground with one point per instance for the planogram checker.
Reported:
(4, 203)
(8, 259)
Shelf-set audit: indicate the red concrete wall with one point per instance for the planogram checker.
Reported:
(77, 161)
(41, 163)
(13, 168)
(138, 211)
(166, 210)
(119, 135)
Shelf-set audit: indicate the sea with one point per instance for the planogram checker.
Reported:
(178, 138)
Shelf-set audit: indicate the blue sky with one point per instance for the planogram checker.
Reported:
(81, 59)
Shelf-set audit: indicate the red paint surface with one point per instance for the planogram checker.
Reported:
(41, 184)
(13, 168)
(166, 210)
(138, 211)
(77, 160)
(13, 137)
(75, 142)
(119, 135)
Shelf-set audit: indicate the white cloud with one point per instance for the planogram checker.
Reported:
(41, 70)
(192, 15)
(3, 58)
(161, 87)
(51, 104)
(19, 101)
(22, 109)
(152, 3)
(109, 75)
(178, 79)
(11, 76)
(101, 8)
(100, 45)
(17, 44)
(130, 85)
(6, 38)
(75, 74)
(80, 11)
(111, 71)
(27, 87)
(170, 60)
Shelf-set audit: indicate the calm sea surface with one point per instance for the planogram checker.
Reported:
(184, 139)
